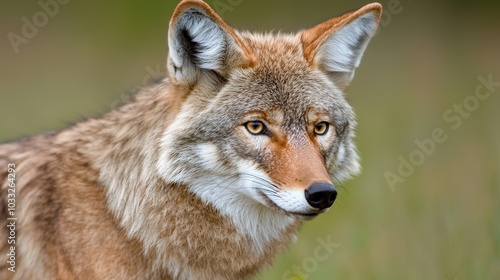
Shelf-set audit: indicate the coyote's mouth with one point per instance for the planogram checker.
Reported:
(300, 215)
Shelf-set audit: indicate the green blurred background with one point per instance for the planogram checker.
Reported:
(442, 222)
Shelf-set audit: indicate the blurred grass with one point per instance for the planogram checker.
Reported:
(441, 223)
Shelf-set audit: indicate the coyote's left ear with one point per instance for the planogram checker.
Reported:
(337, 45)
(200, 43)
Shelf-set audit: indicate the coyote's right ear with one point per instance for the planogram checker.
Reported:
(200, 42)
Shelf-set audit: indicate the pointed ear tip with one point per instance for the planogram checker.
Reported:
(374, 7)
(186, 4)
(189, 3)
(192, 2)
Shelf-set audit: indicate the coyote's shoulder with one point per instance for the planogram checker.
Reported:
(205, 175)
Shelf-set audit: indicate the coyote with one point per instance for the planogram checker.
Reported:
(206, 175)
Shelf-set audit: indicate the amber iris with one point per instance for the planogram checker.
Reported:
(321, 128)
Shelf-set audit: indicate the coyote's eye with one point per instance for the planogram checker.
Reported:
(321, 128)
(256, 127)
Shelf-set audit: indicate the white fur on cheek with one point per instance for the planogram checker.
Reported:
(240, 202)
(293, 201)
(209, 155)
(341, 153)
(170, 166)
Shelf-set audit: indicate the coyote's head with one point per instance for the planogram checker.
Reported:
(262, 122)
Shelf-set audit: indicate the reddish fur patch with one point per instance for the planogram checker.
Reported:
(297, 165)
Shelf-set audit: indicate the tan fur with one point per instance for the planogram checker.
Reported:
(91, 204)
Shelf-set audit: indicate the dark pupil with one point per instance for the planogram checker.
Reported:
(255, 127)
(321, 128)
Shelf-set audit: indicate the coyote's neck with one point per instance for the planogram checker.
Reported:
(176, 228)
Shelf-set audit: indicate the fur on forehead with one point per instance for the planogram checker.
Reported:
(281, 76)
(280, 80)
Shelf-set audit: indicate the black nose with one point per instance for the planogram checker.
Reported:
(321, 195)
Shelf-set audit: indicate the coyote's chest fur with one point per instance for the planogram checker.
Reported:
(206, 175)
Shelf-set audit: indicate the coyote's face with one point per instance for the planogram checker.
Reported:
(263, 122)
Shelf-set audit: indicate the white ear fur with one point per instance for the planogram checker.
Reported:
(196, 39)
(199, 41)
(342, 52)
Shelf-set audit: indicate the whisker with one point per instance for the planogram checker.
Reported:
(339, 183)
(268, 182)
